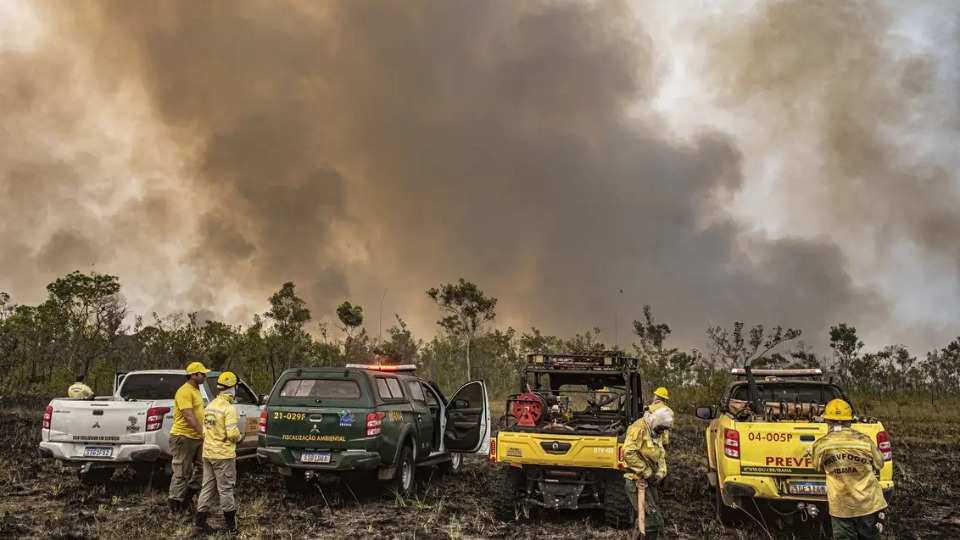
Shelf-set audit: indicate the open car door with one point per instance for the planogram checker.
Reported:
(467, 427)
(117, 379)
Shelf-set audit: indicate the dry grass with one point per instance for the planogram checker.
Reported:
(42, 500)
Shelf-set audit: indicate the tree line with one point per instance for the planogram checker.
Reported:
(84, 327)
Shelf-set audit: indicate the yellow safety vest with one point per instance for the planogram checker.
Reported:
(220, 430)
(851, 461)
(642, 455)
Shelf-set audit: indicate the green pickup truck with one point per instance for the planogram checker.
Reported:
(363, 420)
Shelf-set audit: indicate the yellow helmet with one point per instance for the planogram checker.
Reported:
(197, 367)
(838, 410)
(227, 379)
(662, 393)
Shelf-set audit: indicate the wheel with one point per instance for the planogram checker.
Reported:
(454, 466)
(725, 515)
(95, 477)
(618, 512)
(507, 491)
(296, 483)
(404, 479)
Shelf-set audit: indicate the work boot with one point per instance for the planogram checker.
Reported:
(188, 499)
(230, 523)
(176, 507)
(200, 525)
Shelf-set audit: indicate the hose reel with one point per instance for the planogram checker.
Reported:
(528, 409)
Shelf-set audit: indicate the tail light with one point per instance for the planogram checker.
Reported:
(262, 426)
(155, 418)
(731, 443)
(374, 423)
(620, 458)
(47, 417)
(883, 443)
(493, 450)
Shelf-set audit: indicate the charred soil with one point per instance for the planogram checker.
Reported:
(41, 499)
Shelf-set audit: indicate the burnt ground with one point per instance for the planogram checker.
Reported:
(42, 500)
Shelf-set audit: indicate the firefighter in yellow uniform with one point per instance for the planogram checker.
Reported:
(610, 400)
(186, 439)
(646, 461)
(221, 435)
(852, 462)
(79, 390)
(660, 398)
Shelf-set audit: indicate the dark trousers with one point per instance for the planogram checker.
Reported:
(652, 511)
(858, 528)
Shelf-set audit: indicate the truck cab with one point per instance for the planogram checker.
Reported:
(759, 442)
(342, 423)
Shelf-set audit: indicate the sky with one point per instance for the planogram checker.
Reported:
(782, 162)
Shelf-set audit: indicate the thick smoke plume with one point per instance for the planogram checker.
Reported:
(207, 152)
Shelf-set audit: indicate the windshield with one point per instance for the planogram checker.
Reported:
(151, 386)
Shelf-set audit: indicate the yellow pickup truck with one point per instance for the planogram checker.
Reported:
(760, 440)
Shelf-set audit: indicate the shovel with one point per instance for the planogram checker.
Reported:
(641, 514)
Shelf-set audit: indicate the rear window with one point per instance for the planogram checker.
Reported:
(790, 393)
(321, 388)
(150, 386)
(389, 388)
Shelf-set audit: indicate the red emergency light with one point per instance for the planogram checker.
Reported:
(384, 367)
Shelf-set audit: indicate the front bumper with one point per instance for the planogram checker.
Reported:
(340, 460)
(124, 454)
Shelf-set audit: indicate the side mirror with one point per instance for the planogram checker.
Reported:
(460, 404)
(705, 413)
(262, 399)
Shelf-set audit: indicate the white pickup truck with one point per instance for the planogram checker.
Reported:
(131, 428)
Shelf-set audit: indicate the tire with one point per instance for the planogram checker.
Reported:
(405, 480)
(725, 515)
(618, 512)
(95, 477)
(507, 490)
(454, 466)
(296, 483)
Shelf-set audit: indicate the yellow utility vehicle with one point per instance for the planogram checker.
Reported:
(760, 441)
(560, 443)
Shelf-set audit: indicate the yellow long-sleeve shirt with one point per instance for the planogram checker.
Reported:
(851, 462)
(221, 432)
(643, 455)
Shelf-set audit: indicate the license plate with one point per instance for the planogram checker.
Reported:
(315, 457)
(807, 488)
(98, 451)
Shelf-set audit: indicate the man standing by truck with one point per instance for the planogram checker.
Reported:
(186, 438)
(851, 462)
(220, 457)
(646, 460)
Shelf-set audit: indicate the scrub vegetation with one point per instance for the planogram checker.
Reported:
(84, 328)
